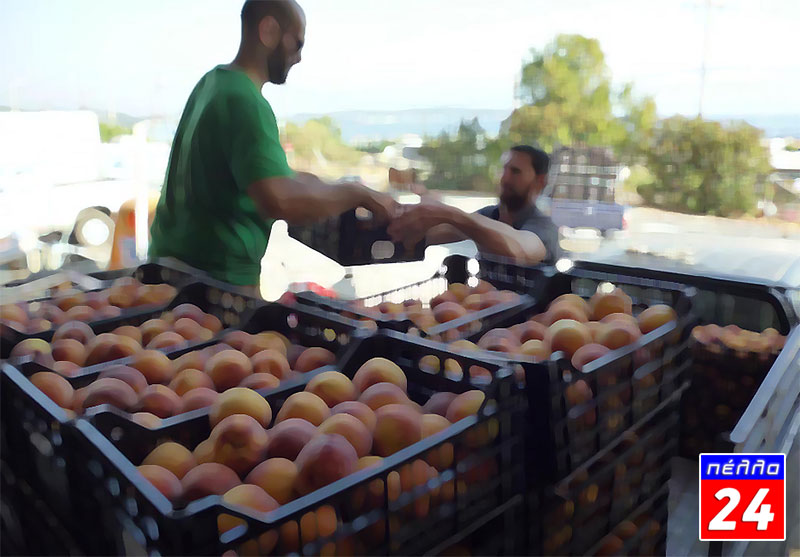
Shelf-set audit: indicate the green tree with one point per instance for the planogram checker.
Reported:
(110, 131)
(703, 167)
(321, 137)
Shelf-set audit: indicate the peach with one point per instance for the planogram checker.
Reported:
(209, 478)
(204, 452)
(70, 301)
(288, 437)
(14, 312)
(159, 400)
(107, 312)
(96, 300)
(604, 303)
(170, 339)
(536, 349)
(565, 310)
(618, 333)
(314, 358)
(228, 368)
(163, 480)
(55, 387)
(293, 353)
(192, 330)
(381, 394)
(352, 429)
(107, 346)
(276, 476)
(448, 311)
(36, 347)
(573, 299)
(391, 308)
(332, 387)
(154, 365)
(440, 457)
(66, 369)
(463, 346)
(595, 329)
(439, 403)
(240, 442)
(397, 426)
(151, 329)
(260, 381)
(324, 459)
(68, 349)
(267, 340)
(626, 317)
(196, 359)
(655, 316)
(568, 335)
(174, 457)
(307, 406)
(465, 404)
(272, 362)
(482, 287)
(588, 353)
(251, 497)
(146, 419)
(444, 298)
(577, 393)
(500, 340)
(379, 370)
(201, 397)
(357, 409)
(459, 290)
(129, 331)
(131, 376)
(530, 330)
(109, 391)
(239, 400)
(212, 323)
(188, 379)
(237, 339)
(188, 310)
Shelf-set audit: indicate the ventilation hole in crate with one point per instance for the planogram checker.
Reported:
(429, 364)
(150, 527)
(382, 249)
(292, 320)
(131, 507)
(117, 433)
(329, 334)
(95, 469)
(60, 462)
(452, 369)
(56, 439)
(41, 444)
(214, 296)
(239, 304)
(480, 375)
(113, 486)
(227, 300)
(344, 339)
(606, 287)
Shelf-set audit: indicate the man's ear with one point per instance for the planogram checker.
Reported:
(269, 32)
(541, 182)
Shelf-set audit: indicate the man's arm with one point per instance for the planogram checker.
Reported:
(307, 199)
(439, 223)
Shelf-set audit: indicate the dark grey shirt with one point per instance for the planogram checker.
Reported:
(533, 220)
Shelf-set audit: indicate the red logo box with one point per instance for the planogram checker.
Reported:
(743, 496)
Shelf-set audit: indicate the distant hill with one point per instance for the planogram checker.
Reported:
(120, 117)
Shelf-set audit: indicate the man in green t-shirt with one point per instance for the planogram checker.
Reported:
(228, 179)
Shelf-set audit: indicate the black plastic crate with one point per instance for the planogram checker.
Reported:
(366, 309)
(484, 475)
(354, 238)
(574, 516)
(207, 295)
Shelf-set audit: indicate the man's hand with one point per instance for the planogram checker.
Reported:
(415, 221)
(383, 206)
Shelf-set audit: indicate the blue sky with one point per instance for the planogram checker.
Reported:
(143, 57)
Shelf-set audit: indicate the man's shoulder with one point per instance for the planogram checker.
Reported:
(491, 211)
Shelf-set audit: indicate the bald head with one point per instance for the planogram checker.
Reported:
(273, 34)
(287, 13)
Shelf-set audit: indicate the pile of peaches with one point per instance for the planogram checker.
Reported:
(152, 386)
(126, 292)
(334, 428)
(714, 339)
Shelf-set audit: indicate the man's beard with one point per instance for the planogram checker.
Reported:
(276, 66)
(513, 201)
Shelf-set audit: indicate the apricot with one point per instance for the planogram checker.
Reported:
(151, 329)
(109, 391)
(324, 459)
(565, 310)
(240, 443)
(448, 311)
(288, 437)
(379, 370)
(314, 358)
(159, 400)
(209, 478)
(465, 404)
(259, 381)
(357, 409)
(459, 290)
(444, 298)
(77, 330)
(14, 312)
(240, 400)
(332, 387)
(163, 480)
(352, 429)
(463, 346)
(438, 403)
(228, 368)
(381, 394)
(276, 476)
(129, 331)
(55, 387)
(169, 339)
(68, 349)
(212, 323)
(482, 287)
(131, 376)
(568, 335)
(603, 303)
(192, 330)
(397, 426)
(106, 347)
(188, 379)
(574, 300)
(618, 333)
(595, 329)
(267, 340)
(252, 497)
(204, 452)
(307, 406)
(96, 300)
(188, 310)
(146, 419)
(588, 353)
(173, 456)
(536, 349)
(531, 330)
(577, 393)
(272, 362)
(66, 369)
(201, 397)
(440, 457)
(35, 347)
(65, 303)
(154, 365)
(196, 359)
(655, 316)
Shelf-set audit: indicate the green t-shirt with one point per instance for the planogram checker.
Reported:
(227, 138)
